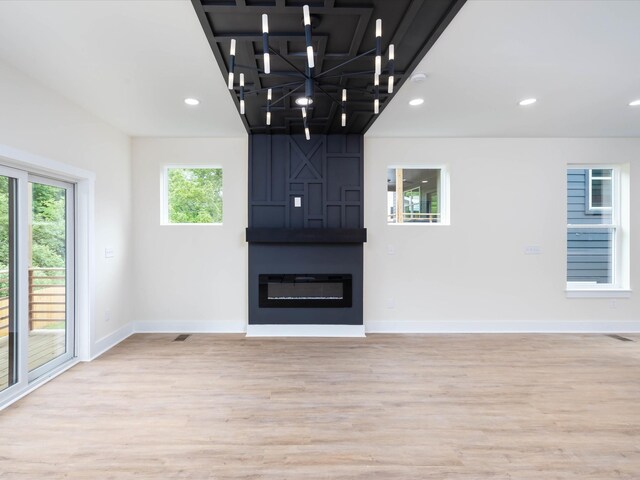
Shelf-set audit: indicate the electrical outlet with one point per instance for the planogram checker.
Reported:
(391, 250)
(613, 304)
(107, 315)
(108, 252)
(391, 303)
(532, 250)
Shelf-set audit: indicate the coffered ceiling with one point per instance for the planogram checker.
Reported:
(342, 30)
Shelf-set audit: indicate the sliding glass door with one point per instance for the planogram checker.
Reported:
(36, 277)
(8, 326)
(50, 274)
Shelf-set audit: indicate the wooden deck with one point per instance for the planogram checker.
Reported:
(44, 345)
(388, 407)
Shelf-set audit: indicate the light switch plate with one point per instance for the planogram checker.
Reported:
(108, 252)
(532, 250)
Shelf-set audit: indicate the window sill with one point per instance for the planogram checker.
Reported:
(603, 293)
(191, 224)
(419, 224)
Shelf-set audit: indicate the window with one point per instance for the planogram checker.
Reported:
(192, 195)
(422, 195)
(600, 189)
(597, 240)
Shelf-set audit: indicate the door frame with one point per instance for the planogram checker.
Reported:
(70, 220)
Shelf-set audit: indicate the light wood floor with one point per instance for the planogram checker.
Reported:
(467, 407)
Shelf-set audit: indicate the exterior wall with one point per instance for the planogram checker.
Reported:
(474, 275)
(190, 277)
(43, 123)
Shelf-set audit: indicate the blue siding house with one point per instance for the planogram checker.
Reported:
(589, 250)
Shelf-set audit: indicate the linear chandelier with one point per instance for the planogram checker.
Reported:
(310, 79)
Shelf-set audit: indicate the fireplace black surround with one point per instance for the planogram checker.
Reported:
(305, 230)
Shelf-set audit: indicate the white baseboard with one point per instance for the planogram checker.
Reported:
(305, 331)
(111, 340)
(503, 326)
(190, 326)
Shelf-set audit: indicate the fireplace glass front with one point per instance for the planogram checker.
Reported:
(305, 290)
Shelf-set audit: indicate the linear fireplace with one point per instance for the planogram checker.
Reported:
(305, 291)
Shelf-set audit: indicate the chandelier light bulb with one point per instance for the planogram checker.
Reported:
(344, 119)
(267, 63)
(390, 86)
(241, 107)
(376, 80)
(268, 118)
(232, 49)
(392, 55)
(378, 64)
(269, 92)
(307, 134)
(304, 112)
(376, 106)
(242, 79)
(379, 27)
(230, 81)
(310, 58)
(306, 14)
(344, 94)
(265, 23)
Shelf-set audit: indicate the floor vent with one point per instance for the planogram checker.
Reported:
(621, 338)
(181, 338)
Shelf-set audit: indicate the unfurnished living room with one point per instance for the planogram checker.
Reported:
(319, 239)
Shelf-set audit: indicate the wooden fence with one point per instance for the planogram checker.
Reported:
(47, 299)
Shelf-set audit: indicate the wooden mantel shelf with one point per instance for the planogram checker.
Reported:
(306, 235)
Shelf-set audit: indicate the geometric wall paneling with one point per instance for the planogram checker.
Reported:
(325, 174)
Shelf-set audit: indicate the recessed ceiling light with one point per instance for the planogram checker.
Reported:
(425, 181)
(192, 101)
(304, 101)
(527, 101)
(416, 101)
(635, 103)
(418, 77)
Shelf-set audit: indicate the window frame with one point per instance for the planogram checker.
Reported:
(590, 179)
(164, 193)
(443, 197)
(619, 286)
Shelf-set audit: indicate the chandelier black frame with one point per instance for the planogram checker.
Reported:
(309, 79)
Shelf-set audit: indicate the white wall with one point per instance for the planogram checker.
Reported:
(473, 274)
(38, 121)
(190, 277)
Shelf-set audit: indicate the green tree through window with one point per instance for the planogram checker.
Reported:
(194, 195)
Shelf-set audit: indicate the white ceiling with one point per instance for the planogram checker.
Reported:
(129, 62)
(579, 58)
(132, 62)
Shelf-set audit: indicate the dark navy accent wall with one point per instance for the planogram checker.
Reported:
(326, 174)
